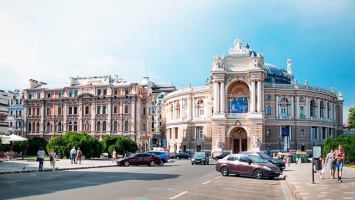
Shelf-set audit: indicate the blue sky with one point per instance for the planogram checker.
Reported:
(51, 41)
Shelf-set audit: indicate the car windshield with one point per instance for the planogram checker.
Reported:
(264, 156)
(257, 159)
(199, 155)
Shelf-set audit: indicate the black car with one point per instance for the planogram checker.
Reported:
(183, 155)
(221, 156)
(277, 162)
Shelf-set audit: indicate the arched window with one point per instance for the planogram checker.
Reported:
(322, 108)
(115, 126)
(48, 127)
(75, 126)
(37, 127)
(328, 110)
(177, 110)
(104, 126)
(126, 126)
(312, 108)
(200, 109)
(268, 110)
(29, 127)
(59, 126)
(70, 127)
(98, 126)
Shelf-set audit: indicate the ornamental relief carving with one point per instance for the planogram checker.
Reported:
(240, 89)
(232, 77)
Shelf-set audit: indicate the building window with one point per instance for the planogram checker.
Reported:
(75, 128)
(98, 92)
(70, 93)
(48, 113)
(199, 132)
(302, 133)
(30, 95)
(59, 110)
(38, 112)
(283, 110)
(48, 127)
(301, 111)
(105, 91)
(70, 127)
(144, 111)
(37, 127)
(268, 132)
(75, 110)
(328, 110)
(70, 110)
(126, 91)
(126, 126)
(38, 95)
(48, 94)
(268, 110)
(314, 133)
(59, 126)
(98, 110)
(60, 94)
(115, 109)
(115, 126)
(115, 91)
(29, 111)
(98, 126)
(75, 93)
(324, 133)
(103, 109)
(104, 126)
(29, 127)
(144, 128)
(87, 110)
(126, 109)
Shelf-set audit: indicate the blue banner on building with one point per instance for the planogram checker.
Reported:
(238, 106)
(285, 131)
(165, 144)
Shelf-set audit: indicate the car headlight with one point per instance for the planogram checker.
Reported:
(267, 168)
(193, 159)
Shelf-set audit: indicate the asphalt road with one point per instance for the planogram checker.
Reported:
(177, 180)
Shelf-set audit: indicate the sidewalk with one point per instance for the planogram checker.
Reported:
(299, 178)
(26, 166)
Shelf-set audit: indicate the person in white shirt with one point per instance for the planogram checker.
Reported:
(72, 155)
(41, 154)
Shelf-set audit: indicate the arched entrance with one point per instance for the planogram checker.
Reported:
(239, 139)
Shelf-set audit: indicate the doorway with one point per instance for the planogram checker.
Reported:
(240, 145)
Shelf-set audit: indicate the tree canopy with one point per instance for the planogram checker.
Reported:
(351, 117)
(121, 144)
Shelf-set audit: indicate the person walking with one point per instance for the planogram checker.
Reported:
(72, 155)
(321, 172)
(79, 154)
(52, 157)
(41, 154)
(114, 155)
(329, 160)
(339, 160)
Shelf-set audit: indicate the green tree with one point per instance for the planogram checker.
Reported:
(351, 117)
(110, 143)
(348, 143)
(126, 144)
(34, 144)
(89, 145)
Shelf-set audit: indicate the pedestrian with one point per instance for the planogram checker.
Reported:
(41, 154)
(339, 156)
(321, 172)
(79, 154)
(72, 155)
(114, 155)
(330, 161)
(52, 157)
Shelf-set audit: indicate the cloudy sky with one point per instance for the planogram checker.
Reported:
(51, 41)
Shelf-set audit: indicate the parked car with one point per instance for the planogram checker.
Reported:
(200, 157)
(278, 162)
(221, 156)
(172, 155)
(161, 154)
(183, 155)
(140, 159)
(247, 165)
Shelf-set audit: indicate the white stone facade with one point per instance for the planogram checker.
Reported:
(247, 98)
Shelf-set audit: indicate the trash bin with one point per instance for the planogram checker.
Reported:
(317, 164)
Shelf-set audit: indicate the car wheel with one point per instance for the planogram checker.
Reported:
(126, 163)
(258, 174)
(161, 163)
(152, 163)
(224, 171)
(179, 158)
(192, 163)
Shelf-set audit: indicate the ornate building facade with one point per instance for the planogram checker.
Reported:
(14, 116)
(3, 111)
(100, 105)
(247, 99)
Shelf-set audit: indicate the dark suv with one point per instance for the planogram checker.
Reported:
(277, 162)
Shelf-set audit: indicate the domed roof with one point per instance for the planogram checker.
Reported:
(279, 75)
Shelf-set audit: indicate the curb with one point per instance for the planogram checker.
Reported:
(296, 193)
(58, 169)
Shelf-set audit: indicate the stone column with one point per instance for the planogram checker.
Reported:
(277, 107)
(307, 109)
(181, 112)
(222, 94)
(318, 108)
(65, 108)
(259, 96)
(215, 97)
(297, 114)
(252, 102)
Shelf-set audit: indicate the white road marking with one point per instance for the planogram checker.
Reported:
(218, 177)
(176, 196)
(206, 182)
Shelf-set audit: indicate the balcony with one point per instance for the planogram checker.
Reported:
(72, 116)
